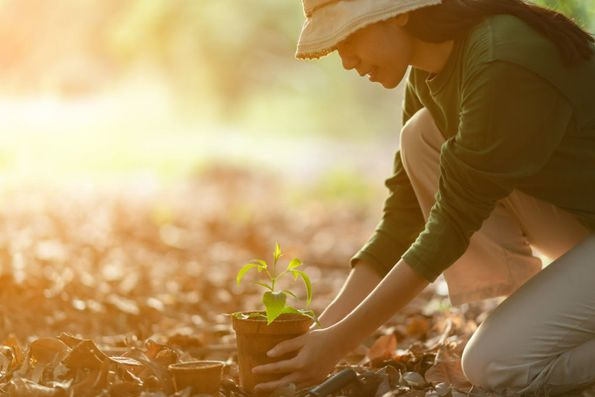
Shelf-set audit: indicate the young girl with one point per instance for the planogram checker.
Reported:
(497, 155)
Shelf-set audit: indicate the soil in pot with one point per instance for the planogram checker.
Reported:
(203, 377)
(255, 338)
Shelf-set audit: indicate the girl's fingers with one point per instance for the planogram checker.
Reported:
(276, 367)
(270, 386)
(287, 346)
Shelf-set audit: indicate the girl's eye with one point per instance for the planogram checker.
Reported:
(347, 42)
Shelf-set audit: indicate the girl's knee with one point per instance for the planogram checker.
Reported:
(488, 365)
(416, 134)
(474, 363)
(482, 362)
(410, 132)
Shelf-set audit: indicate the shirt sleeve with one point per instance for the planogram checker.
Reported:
(511, 122)
(402, 219)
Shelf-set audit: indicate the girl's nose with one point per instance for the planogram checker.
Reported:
(350, 62)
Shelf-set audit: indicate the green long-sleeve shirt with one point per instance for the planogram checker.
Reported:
(514, 117)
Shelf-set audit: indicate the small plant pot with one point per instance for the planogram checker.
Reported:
(203, 377)
(255, 338)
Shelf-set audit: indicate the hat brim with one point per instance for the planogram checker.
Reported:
(330, 25)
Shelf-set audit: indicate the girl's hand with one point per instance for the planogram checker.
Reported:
(319, 351)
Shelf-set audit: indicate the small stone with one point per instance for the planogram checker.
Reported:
(395, 393)
(414, 379)
(442, 389)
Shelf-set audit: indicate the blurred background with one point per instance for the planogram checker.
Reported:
(103, 89)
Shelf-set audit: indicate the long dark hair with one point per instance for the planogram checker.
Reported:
(453, 18)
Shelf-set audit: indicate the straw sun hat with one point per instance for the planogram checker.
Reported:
(330, 21)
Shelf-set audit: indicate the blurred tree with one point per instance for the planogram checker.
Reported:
(234, 56)
(54, 46)
(225, 48)
(239, 56)
(581, 11)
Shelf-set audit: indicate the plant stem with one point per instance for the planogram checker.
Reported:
(270, 278)
(273, 279)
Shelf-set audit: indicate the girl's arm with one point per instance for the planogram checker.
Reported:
(321, 349)
(361, 280)
(398, 288)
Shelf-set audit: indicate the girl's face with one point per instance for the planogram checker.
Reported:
(382, 51)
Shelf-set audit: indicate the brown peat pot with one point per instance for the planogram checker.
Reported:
(203, 377)
(255, 338)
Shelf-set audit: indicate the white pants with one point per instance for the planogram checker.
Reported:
(541, 339)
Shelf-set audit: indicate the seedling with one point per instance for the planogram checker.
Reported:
(275, 302)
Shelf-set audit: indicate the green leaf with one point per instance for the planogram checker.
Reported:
(277, 254)
(262, 265)
(289, 309)
(243, 271)
(274, 302)
(287, 292)
(295, 262)
(269, 287)
(303, 312)
(307, 313)
(310, 314)
(304, 276)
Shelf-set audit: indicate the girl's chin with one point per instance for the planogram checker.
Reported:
(388, 84)
(387, 81)
(392, 81)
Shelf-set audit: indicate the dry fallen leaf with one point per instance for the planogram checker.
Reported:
(417, 325)
(16, 349)
(48, 350)
(85, 355)
(447, 369)
(382, 349)
(25, 388)
(138, 292)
